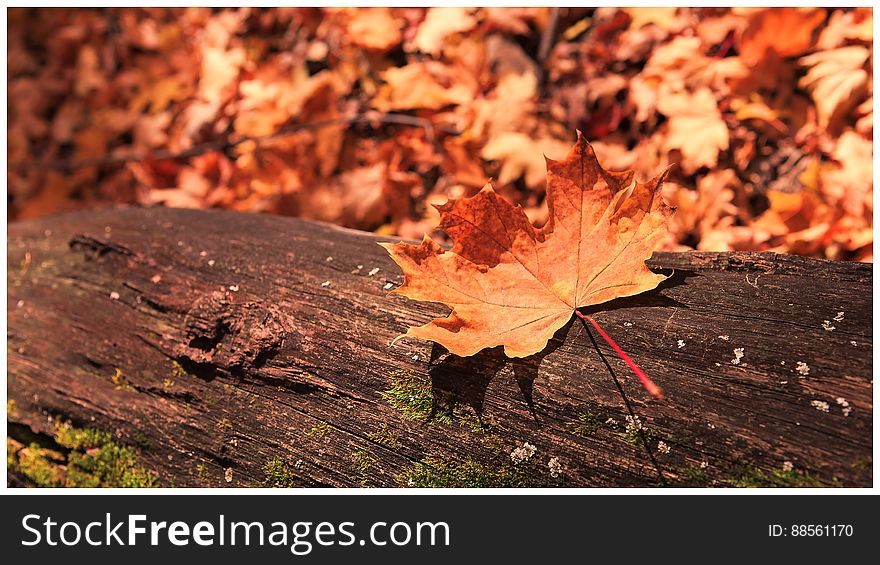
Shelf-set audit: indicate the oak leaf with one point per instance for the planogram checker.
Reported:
(511, 284)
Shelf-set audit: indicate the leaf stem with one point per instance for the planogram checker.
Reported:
(643, 378)
(635, 419)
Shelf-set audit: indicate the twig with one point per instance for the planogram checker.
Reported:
(548, 37)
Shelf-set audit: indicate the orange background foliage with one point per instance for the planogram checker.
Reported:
(366, 117)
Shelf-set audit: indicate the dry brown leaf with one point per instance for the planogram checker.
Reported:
(835, 79)
(428, 85)
(507, 108)
(512, 285)
(520, 155)
(374, 28)
(850, 185)
(663, 18)
(440, 23)
(787, 32)
(696, 127)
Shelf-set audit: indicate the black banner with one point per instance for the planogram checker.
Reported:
(435, 529)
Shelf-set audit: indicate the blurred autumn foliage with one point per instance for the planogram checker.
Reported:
(366, 117)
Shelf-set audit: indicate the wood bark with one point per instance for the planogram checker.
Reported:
(225, 346)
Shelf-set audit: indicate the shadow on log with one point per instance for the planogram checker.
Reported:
(224, 349)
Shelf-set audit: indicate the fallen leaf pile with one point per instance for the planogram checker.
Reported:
(368, 117)
(513, 285)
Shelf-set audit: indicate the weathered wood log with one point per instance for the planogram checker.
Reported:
(228, 349)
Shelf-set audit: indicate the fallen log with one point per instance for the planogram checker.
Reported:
(211, 348)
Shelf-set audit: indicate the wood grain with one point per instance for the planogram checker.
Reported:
(221, 344)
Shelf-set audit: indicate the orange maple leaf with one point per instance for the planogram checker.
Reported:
(513, 285)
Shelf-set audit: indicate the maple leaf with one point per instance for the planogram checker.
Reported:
(695, 127)
(520, 155)
(785, 31)
(835, 79)
(511, 284)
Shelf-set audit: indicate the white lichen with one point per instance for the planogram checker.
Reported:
(681, 343)
(523, 453)
(704, 464)
(802, 368)
(328, 259)
(325, 284)
(228, 474)
(788, 466)
(724, 337)
(555, 467)
(373, 271)
(628, 324)
(633, 425)
(210, 262)
(233, 288)
(663, 447)
(737, 355)
(820, 405)
(19, 304)
(388, 286)
(203, 253)
(853, 343)
(826, 325)
(844, 405)
(839, 317)
(114, 295)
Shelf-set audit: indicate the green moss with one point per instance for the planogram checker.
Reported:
(88, 458)
(752, 477)
(202, 472)
(693, 477)
(410, 393)
(44, 467)
(635, 431)
(439, 471)
(384, 436)
(363, 461)
(320, 431)
(586, 424)
(120, 382)
(178, 371)
(277, 474)
(224, 424)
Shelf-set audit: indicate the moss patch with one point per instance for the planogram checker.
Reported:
(752, 477)
(384, 436)
(320, 431)
(120, 382)
(410, 393)
(586, 424)
(85, 458)
(363, 461)
(277, 474)
(439, 471)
